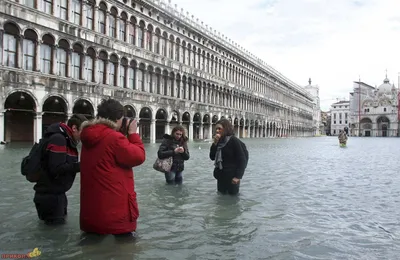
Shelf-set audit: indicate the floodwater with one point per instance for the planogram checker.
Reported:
(303, 198)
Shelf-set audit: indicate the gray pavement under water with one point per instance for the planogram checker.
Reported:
(303, 198)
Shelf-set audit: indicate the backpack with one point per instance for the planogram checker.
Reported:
(246, 153)
(31, 165)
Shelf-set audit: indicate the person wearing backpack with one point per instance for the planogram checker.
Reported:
(59, 167)
(230, 158)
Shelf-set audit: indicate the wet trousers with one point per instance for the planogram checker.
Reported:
(51, 208)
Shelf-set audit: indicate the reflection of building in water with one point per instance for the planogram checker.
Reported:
(339, 116)
(63, 57)
(373, 111)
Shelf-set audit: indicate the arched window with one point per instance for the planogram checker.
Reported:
(47, 6)
(157, 48)
(89, 12)
(103, 57)
(177, 49)
(163, 45)
(10, 43)
(46, 54)
(141, 34)
(62, 52)
(140, 78)
(149, 36)
(122, 27)
(102, 17)
(89, 64)
(29, 49)
(132, 31)
(76, 11)
(112, 30)
(76, 60)
(123, 69)
(132, 70)
(112, 70)
(62, 9)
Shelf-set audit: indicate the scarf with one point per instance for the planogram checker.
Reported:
(218, 156)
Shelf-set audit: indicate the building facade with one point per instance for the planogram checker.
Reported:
(314, 91)
(374, 110)
(64, 57)
(340, 115)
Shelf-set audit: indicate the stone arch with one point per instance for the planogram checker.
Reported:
(83, 106)
(129, 111)
(174, 117)
(214, 119)
(20, 108)
(55, 109)
(145, 117)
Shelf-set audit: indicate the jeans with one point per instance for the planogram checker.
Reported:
(174, 177)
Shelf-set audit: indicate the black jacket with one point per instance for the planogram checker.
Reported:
(233, 159)
(167, 148)
(60, 162)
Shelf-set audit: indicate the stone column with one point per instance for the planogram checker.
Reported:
(153, 131)
(2, 126)
(244, 129)
(20, 52)
(37, 133)
(37, 56)
(167, 128)
(201, 134)
(238, 129)
(190, 130)
(54, 60)
(210, 131)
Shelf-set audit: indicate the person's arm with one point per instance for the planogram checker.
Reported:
(57, 154)
(185, 154)
(129, 151)
(240, 158)
(164, 151)
(213, 151)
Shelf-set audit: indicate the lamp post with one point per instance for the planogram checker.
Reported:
(359, 107)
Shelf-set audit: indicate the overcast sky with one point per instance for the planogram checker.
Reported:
(332, 41)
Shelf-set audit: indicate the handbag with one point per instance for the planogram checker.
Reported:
(163, 165)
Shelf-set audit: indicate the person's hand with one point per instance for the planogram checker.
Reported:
(216, 138)
(181, 149)
(132, 127)
(235, 181)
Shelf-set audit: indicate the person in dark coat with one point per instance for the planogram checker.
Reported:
(229, 158)
(175, 145)
(60, 168)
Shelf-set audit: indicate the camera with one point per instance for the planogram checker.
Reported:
(126, 122)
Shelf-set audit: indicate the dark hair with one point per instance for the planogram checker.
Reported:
(228, 127)
(77, 120)
(177, 128)
(110, 109)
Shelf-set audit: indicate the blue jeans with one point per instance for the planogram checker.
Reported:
(174, 177)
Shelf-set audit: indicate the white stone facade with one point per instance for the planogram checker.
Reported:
(317, 124)
(374, 110)
(164, 67)
(340, 116)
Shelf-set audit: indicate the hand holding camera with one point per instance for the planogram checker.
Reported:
(179, 149)
(132, 127)
(128, 126)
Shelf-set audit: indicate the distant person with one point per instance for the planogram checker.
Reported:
(108, 198)
(342, 137)
(175, 145)
(60, 168)
(230, 156)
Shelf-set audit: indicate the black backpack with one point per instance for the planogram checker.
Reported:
(32, 164)
(246, 153)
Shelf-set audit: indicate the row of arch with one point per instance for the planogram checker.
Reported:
(20, 107)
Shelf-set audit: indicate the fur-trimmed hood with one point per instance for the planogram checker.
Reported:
(95, 130)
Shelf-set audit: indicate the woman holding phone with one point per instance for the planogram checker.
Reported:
(175, 145)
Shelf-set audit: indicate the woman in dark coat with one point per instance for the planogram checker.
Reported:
(229, 156)
(175, 145)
